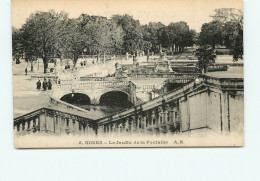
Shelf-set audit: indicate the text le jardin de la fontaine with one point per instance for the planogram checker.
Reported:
(146, 142)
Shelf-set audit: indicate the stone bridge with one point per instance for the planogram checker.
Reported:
(94, 90)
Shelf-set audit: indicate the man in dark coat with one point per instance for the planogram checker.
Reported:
(39, 85)
(44, 84)
(49, 85)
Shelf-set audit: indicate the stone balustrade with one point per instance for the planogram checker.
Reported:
(146, 87)
(103, 78)
(229, 83)
(41, 77)
(163, 75)
(163, 114)
(103, 84)
(63, 86)
(53, 121)
(91, 84)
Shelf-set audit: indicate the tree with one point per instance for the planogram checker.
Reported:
(101, 34)
(211, 34)
(147, 45)
(29, 48)
(116, 37)
(164, 38)
(226, 15)
(225, 29)
(150, 34)
(232, 22)
(132, 39)
(177, 36)
(233, 39)
(41, 33)
(17, 48)
(71, 43)
(192, 37)
(206, 57)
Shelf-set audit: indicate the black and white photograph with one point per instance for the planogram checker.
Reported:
(127, 74)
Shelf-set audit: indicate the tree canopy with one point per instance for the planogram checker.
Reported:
(211, 34)
(41, 33)
(101, 34)
(133, 38)
(53, 34)
(226, 28)
(206, 56)
(17, 44)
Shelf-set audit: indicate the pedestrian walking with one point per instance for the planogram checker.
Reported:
(49, 84)
(38, 85)
(25, 71)
(44, 84)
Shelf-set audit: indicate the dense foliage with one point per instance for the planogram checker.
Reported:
(206, 56)
(50, 34)
(225, 29)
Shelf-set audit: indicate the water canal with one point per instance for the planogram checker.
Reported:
(109, 103)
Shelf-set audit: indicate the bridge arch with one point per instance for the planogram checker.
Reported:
(76, 98)
(115, 98)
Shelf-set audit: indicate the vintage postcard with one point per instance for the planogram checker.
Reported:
(112, 73)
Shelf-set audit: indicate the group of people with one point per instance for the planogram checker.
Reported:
(83, 63)
(45, 85)
(67, 66)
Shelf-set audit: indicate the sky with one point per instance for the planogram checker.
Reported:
(194, 12)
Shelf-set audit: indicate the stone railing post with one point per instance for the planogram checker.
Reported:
(124, 126)
(18, 127)
(117, 127)
(38, 127)
(80, 127)
(111, 128)
(34, 125)
(144, 122)
(23, 125)
(67, 130)
(28, 125)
